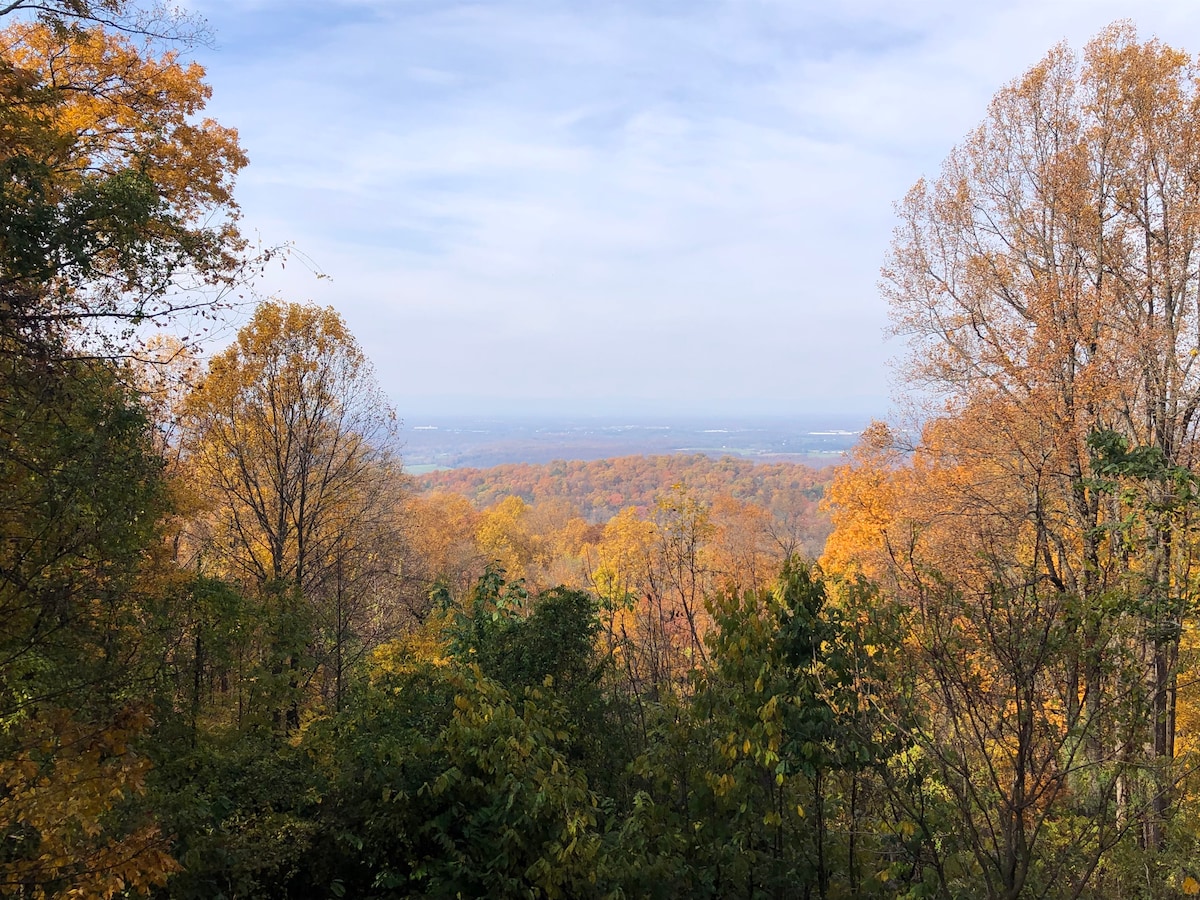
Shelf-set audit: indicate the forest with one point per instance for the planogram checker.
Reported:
(599, 489)
(243, 655)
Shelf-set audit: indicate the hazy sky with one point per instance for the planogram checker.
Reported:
(615, 205)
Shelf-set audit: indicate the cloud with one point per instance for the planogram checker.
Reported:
(649, 200)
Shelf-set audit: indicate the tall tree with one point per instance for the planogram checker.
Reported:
(1047, 282)
(289, 437)
(112, 194)
(82, 494)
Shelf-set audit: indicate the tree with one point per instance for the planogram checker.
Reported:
(289, 436)
(458, 768)
(683, 577)
(653, 578)
(791, 738)
(83, 493)
(444, 556)
(757, 784)
(113, 196)
(1047, 282)
(64, 784)
(515, 818)
(748, 546)
(115, 201)
(285, 425)
(504, 538)
(151, 19)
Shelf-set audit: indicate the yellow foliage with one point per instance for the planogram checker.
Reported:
(624, 555)
(503, 536)
(59, 786)
(423, 646)
(284, 438)
(114, 102)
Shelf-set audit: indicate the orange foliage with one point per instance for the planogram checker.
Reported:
(690, 525)
(600, 489)
(112, 107)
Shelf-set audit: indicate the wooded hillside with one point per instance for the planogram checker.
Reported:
(599, 489)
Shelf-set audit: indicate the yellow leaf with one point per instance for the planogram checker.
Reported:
(1190, 886)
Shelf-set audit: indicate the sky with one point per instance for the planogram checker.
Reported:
(614, 206)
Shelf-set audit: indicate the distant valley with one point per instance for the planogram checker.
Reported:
(432, 443)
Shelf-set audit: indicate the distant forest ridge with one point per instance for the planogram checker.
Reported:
(599, 489)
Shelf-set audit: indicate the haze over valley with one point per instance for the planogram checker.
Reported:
(460, 441)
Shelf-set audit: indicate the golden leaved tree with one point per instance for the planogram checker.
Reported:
(289, 438)
(1041, 535)
(654, 577)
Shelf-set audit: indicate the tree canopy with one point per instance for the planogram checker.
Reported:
(116, 202)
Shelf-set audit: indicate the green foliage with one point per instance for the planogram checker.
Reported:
(1112, 460)
(549, 642)
(442, 782)
(82, 497)
(438, 779)
(761, 785)
(377, 757)
(243, 811)
(514, 818)
(549, 645)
